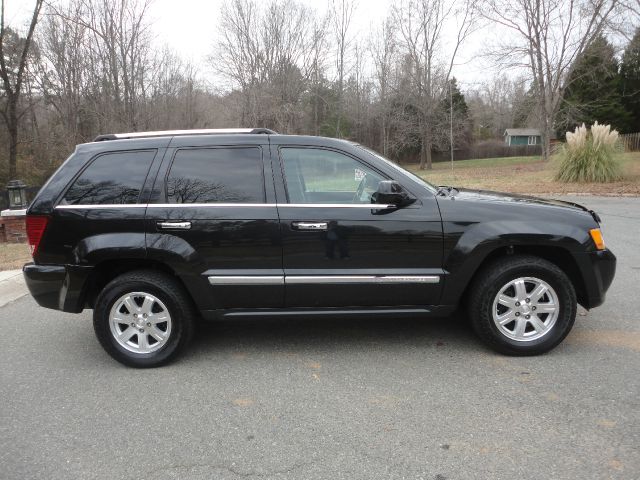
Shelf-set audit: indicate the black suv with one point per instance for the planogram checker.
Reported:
(154, 230)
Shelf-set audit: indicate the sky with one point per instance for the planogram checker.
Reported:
(191, 30)
(189, 27)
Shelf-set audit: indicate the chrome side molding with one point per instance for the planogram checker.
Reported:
(103, 206)
(368, 206)
(319, 279)
(345, 279)
(246, 279)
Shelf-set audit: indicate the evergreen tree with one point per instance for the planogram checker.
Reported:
(593, 92)
(462, 124)
(460, 107)
(630, 82)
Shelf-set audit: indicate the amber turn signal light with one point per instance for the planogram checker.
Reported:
(596, 235)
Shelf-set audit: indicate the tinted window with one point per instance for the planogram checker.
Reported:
(315, 175)
(111, 178)
(216, 175)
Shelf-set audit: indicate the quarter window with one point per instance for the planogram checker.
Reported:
(316, 175)
(112, 178)
(216, 175)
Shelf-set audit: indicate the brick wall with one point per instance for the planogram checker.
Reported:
(13, 229)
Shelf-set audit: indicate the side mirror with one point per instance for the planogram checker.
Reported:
(390, 192)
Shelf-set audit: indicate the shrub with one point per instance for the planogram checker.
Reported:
(590, 155)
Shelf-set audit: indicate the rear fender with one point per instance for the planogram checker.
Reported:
(107, 246)
(186, 262)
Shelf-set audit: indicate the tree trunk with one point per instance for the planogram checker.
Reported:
(546, 141)
(383, 136)
(12, 128)
(425, 153)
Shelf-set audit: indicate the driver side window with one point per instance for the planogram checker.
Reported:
(315, 175)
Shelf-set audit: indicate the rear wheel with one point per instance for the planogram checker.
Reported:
(143, 318)
(522, 305)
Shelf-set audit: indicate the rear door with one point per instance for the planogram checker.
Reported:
(338, 249)
(213, 218)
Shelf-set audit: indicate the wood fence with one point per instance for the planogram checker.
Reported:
(631, 142)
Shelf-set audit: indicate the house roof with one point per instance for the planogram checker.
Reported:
(521, 132)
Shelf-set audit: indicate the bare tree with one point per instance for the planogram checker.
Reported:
(626, 19)
(13, 77)
(172, 93)
(118, 51)
(288, 61)
(495, 105)
(238, 56)
(384, 52)
(317, 68)
(428, 61)
(341, 14)
(97, 72)
(547, 37)
(269, 54)
(62, 73)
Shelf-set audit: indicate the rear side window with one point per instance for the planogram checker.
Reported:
(112, 178)
(216, 175)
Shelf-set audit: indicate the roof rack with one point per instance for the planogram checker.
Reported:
(172, 133)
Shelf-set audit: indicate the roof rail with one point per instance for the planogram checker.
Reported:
(172, 133)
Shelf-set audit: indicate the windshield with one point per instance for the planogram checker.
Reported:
(397, 167)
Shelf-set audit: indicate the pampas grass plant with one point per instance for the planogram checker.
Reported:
(590, 155)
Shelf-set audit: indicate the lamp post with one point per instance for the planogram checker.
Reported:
(451, 120)
(17, 190)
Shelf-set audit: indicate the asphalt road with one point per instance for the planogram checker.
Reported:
(330, 399)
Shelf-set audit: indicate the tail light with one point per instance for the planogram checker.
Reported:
(36, 225)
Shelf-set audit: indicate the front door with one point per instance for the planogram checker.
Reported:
(338, 249)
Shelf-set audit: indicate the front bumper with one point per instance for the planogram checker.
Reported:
(59, 287)
(598, 269)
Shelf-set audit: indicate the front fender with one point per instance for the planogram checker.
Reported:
(467, 247)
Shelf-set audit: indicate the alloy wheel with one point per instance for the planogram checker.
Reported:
(525, 309)
(140, 322)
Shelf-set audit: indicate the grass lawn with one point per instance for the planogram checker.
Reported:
(13, 255)
(527, 175)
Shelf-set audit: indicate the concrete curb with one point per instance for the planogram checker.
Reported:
(12, 286)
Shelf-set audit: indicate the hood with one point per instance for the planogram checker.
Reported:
(464, 194)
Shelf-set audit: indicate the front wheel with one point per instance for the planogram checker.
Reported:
(522, 305)
(143, 318)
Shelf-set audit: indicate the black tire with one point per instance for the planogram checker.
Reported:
(490, 280)
(163, 287)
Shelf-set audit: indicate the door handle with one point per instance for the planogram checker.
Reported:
(310, 226)
(174, 225)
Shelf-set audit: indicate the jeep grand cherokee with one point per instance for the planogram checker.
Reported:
(154, 230)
